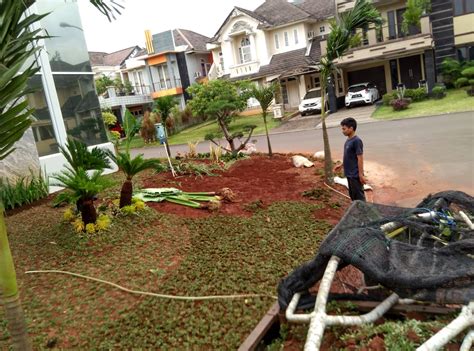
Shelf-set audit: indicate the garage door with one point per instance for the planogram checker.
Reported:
(374, 75)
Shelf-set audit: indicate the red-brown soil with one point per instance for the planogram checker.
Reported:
(253, 179)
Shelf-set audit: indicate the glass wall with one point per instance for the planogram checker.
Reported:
(43, 131)
(70, 104)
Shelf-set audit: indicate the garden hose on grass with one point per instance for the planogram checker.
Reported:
(137, 292)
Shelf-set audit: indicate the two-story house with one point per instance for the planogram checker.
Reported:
(279, 40)
(175, 59)
(110, 64)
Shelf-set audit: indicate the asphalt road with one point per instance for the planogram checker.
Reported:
(405, 159)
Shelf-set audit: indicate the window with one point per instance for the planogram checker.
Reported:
(465, 53)
(277, 42)
(287, 42)
(295, 33)
(244, 50)
(316, 82)
(221, 60)
(203, 68)
(462, 7)
(322, 29)
(340, 85)
(284, 93)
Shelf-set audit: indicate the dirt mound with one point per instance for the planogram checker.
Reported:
(258, 180)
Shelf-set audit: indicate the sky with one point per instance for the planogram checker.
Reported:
(201, 16)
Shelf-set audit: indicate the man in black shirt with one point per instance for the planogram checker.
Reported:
(353, 160)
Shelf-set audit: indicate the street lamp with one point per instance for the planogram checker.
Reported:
(66, 25)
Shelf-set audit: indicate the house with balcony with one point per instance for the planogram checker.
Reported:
(389, 56)
(131, 70)
(175, 59)
(279, 40)
(110, 64)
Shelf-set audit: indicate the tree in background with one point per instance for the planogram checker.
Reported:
(102, 83)
(265, 96)
(18, 47)
(222, 100)
(164, 105)
(338, 43)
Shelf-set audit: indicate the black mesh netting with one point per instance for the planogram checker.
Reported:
(430, 259)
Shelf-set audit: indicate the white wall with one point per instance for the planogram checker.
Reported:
(292, 45)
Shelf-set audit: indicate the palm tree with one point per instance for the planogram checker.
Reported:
(131, 167)
(18, 46)
(78, 156)
(164, 105)
(265, 95)
(339, 41)
(82, 187)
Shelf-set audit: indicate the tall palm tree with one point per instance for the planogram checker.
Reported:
(265, 95)
(338, 43)
(18, 46)
(131, 167)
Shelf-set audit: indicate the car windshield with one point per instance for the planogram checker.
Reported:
(356, 88)
(312, 94)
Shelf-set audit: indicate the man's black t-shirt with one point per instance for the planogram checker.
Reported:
(352, 148)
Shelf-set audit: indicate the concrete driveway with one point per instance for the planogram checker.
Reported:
(362, 114)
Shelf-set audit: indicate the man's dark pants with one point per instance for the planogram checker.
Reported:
(356, 189)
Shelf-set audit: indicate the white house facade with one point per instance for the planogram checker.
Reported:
(279, 40)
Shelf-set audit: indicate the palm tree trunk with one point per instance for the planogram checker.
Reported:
(328, 175)
(10, 300)
(270, 153)
(126, 193)
(88, 212)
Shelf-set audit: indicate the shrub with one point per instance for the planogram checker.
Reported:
(25, 191)
(400, 104)
(416, 95)
(468, 74)
(438, 92)
(387, 98)
(461, 82)
(109, 119)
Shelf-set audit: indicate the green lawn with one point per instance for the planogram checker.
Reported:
(198, 132)
(455, 101)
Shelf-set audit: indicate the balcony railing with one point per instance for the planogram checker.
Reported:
(384, 41)
(165, 84)
(244, 69)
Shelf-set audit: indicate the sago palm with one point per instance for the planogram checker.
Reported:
(338, 43)
(131, 167)
(265, 95)
(18, 46)
(78, 156)
(82, 186)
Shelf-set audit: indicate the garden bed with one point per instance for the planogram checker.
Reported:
(170, 249)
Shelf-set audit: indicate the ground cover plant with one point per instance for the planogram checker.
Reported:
(246, 247)
(186, 253)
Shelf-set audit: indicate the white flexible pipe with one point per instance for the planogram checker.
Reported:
(441, 338)
(137, 292)
(468, 341)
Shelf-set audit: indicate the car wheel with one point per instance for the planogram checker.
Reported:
(303, 114)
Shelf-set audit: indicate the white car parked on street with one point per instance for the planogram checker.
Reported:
(311, 102)
(362, 93)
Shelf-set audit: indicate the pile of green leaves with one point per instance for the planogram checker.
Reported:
(24, 191)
